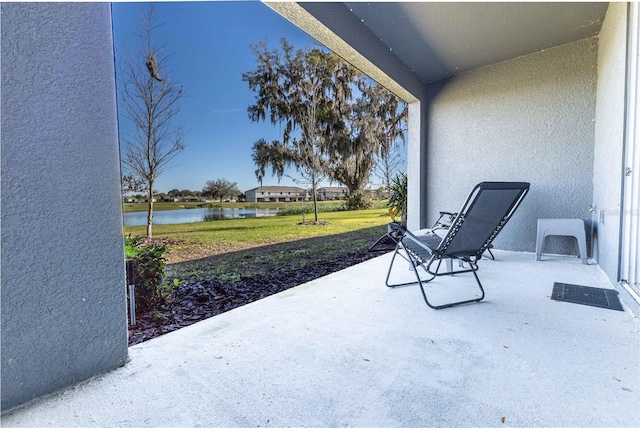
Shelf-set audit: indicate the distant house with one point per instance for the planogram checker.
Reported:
(190, 199)
(332, 193)
(168, 198)
(132, 199)
(277, 194)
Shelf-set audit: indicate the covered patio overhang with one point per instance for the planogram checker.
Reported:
(409, 46)
(429, 41)
(536, 92)
(345, 350)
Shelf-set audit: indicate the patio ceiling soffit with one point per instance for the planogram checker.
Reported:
(434, 41)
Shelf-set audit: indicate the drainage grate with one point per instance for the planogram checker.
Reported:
(590, 296)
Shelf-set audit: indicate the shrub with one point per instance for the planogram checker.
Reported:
(148, 272)
(398, 200)
(359, 200)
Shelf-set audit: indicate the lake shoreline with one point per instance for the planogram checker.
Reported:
(164, 206)
(196, 215)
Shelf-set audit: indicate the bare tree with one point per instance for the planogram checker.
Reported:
(387, 167)
(150, 102)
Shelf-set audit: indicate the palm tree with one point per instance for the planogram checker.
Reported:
(398, 199)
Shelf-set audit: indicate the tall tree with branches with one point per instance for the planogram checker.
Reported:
(300, 90)
(150, 102)
(373, 125)
(340, 135)
(221, 189)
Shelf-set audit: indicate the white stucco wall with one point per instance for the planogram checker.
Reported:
(528, 119)
(63, 283)
(609, 134)
(609, 145)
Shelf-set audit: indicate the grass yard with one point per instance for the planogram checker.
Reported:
(193, 241)
(221, 265)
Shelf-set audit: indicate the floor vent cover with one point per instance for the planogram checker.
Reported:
(590, 296)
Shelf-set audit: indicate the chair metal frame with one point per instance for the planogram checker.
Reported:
(424, 251)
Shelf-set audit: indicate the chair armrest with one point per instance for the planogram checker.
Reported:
(444, 221)
(415, 240)
(396, 227)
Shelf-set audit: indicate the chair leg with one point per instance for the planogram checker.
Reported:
(414, 265)
(462, 302)
(421, 281)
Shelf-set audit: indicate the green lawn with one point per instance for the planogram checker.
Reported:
(199, 240)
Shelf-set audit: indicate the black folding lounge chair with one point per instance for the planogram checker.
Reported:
(487, 209)
(444, 223)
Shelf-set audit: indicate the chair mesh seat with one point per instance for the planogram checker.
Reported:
(431, 240)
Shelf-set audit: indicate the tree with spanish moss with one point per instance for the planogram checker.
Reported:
(340, 135)
(374, 124)
(299, 89)
(150, 101)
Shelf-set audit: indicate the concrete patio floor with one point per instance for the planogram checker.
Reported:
(345, 350)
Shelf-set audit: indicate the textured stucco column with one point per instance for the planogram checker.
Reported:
(415, 148)
(63, 285)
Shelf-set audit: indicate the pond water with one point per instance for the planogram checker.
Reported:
(196, 215)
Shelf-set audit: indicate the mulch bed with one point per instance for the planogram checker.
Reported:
(195, 300)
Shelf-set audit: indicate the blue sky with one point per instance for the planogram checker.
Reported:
(208, 49)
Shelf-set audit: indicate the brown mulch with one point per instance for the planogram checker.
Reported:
(195, 299)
